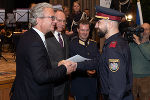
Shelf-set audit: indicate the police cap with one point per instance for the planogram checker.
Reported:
(107, 13)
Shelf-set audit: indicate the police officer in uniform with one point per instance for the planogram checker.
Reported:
(115, 69)
(84, 82)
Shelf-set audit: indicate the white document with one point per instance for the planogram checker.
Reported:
(105, 3)
(77, 58)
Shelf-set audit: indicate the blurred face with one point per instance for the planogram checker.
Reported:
(60, 21)
(146, 32)
(47, 23)
(87, 12)
(76, 7)
(66, 11)
(101, 28)
(83, 31)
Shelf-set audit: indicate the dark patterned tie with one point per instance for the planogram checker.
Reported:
(60, 40)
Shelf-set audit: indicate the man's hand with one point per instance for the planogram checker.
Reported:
(136, 39)
(71, 66)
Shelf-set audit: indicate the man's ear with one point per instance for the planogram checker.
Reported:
(38, 20)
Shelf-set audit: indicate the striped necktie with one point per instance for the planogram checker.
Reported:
(60, 40)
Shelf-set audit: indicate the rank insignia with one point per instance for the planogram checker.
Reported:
(113, 44)
(114, 64)
(81, 42)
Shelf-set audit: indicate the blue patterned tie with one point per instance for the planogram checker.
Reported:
(60, 40)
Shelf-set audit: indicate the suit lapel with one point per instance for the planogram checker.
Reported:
(65, 44)
(39, 38)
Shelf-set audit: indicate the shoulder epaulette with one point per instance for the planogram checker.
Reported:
(92, 40)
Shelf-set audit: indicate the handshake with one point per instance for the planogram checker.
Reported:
(70, 66)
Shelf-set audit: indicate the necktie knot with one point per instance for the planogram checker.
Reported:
(58, 34)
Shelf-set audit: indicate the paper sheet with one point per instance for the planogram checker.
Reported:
(77, 58)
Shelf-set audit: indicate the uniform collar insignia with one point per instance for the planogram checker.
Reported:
(81, 42)
(113, 44)
(84, 42)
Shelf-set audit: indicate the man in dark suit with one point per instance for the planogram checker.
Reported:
(59, 42)
(34, 74)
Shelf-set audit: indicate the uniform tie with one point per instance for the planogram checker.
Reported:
(60, 40)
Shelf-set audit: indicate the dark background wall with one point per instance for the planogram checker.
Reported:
(9, 5)
(2, 4)
(26, 3)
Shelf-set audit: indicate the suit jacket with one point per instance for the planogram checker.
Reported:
(34, 74)
(56, 54)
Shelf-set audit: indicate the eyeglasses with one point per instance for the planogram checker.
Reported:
(52, 17)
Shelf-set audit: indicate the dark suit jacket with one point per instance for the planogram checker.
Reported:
(34, 74)
(56, 54)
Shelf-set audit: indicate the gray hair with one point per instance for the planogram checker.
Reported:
(37, 11)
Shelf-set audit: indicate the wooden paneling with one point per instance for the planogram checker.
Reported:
(7, 75)
(4, 91)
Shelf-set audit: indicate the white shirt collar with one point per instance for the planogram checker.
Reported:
(56, 35)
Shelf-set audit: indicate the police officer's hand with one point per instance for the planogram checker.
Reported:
(136, 39)
(91, 72)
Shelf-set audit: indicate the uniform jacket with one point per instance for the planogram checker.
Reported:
(34, 74)
(81, 83)
(116, 70)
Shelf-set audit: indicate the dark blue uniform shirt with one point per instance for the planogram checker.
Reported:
(115, 69)
(82, 84)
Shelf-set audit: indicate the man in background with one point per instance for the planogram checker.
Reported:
(57, 45)
(84, 82)
(140, 52)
